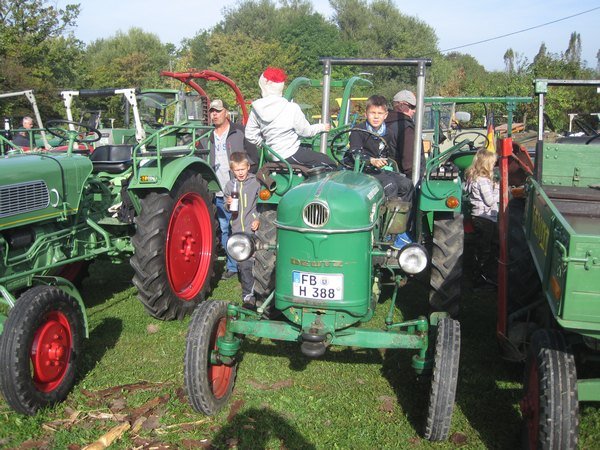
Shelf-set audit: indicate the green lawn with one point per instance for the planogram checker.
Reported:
(132, 372)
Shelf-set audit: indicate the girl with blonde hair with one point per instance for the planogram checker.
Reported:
(484, 196)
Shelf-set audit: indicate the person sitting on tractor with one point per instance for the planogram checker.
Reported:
(279, 123)
(484, 196)
(22, 138)
(405, 105)
(374, 151)
(241, 195)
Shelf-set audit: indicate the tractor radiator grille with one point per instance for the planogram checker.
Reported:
(315, 214)
(23, 198)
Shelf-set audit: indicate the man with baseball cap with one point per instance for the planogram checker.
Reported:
(405, 104)
(225, 139)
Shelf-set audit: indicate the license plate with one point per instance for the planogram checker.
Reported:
(317, 286)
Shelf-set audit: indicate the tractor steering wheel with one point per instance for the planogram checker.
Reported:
(67, 134)
(477, 134)
(588, 130)
(346, 156)
(593, 138)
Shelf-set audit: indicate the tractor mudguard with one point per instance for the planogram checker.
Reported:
(149, 177)
(68, 287)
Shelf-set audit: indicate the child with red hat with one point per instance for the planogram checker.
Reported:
(280, 124)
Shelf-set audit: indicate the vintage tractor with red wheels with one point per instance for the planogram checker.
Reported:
(323, 261)
(150, 203)
(549, 275)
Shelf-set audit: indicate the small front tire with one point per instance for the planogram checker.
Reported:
(208, 385)
(443, 380)
(39, 348)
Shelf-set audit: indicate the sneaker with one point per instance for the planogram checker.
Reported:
(401, 240)
(227, 275)
(249, 302)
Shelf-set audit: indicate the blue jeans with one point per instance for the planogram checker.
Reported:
(224, 217)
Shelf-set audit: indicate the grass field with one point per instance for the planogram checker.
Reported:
(132, 373)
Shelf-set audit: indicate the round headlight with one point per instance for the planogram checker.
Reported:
(413, 258)
(240, 246)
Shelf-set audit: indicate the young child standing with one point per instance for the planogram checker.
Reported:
(240, 195)
(484, 196)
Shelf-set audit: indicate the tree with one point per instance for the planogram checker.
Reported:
(38, 51)
(380, 30)
(509, 60)
(573, 53)
(132, 59)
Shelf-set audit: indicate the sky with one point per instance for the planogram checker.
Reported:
(456, 23)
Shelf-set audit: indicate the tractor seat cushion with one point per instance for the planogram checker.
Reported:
(112, 158)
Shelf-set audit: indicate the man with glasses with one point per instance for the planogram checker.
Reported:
(405, 104)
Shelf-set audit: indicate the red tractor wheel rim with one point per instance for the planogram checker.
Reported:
(189, 246)
(530, 406)
(220, 376)
(51, 351)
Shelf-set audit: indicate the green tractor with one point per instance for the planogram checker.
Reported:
(549, 277)
(150, 203)
(36, 136)
(326, 239)
(442, 209)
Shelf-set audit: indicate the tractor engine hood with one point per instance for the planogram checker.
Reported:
(40, 186)
(334, 202)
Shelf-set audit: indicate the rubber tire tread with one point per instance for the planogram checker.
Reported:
(16, 378)
(557, 377)
(148, 261)
(524, 283)
(446, 263)
(264, 260)
(444, 380)
(197, 351)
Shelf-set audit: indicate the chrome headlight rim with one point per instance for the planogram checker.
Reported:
(241, 246)
(407, 256)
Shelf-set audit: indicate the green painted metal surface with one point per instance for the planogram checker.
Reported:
(566, 252)
(588, 390)
(38, 187)
(328, 266)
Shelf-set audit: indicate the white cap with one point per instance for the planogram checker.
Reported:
(217, 104)
(405, 97)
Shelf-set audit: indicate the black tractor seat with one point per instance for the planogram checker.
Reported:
(114, 158)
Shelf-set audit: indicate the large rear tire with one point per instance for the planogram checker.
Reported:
(175, 248)
(446, 262)
(444, 380)
(264, 262)
(208, 384)
(39, 348)
(549, 405)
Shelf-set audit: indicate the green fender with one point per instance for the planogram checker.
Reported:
(61, 283)
(70, 289)
(151, 177)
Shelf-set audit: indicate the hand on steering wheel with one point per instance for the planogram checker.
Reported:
(346, 156)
